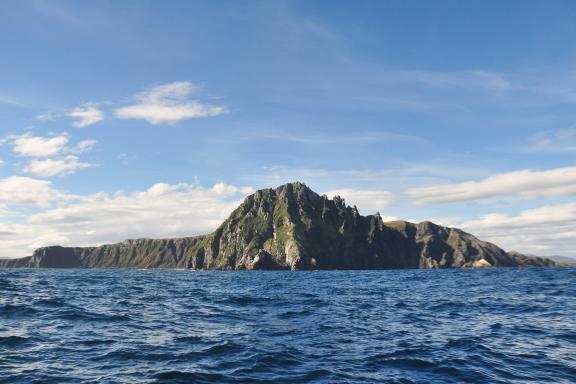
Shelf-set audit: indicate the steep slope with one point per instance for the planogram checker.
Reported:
(521, 259)
(141, 253)
(22, 262)
(292, 227)
(443, 247)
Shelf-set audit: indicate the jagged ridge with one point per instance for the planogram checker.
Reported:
(292, 227)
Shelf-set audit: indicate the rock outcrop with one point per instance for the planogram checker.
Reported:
(292, 227)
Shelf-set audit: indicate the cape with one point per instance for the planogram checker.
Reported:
(293, 228)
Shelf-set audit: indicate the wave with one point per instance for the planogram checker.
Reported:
(92, 326)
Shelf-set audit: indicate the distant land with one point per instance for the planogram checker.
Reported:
(293, 228)
(563, 259)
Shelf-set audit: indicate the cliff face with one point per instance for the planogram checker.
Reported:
(292, 227)
(141, 253)
(23, 262)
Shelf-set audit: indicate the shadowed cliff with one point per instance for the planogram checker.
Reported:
(292, 227)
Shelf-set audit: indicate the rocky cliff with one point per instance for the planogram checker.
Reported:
(292, 227)
(23, 262)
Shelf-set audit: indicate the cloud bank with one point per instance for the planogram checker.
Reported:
(163, 210)
(25, 191)
(547, 230)
(526, 183)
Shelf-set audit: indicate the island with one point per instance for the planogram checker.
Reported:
(293, 228)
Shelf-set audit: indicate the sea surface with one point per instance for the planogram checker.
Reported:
(397, 326)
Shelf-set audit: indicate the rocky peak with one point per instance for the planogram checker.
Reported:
(296, 187)
(298, 194)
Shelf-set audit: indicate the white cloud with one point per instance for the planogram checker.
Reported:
(63, 160)
(547, 230)
(36, 146)
(563, 140)
(48, 116)
(86, 115)
(168, 103)
(526, 183)
(83, 146)
(18, 190)
(561, 214)
(56, 167)
(163, 210)
(11, 101)
(222, 189)
(373, 200)
(461, 79)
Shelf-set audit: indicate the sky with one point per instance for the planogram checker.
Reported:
(131, 119)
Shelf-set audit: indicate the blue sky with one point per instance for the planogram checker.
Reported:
(148, 118)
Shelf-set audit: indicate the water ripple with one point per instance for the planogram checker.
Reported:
(127, 326)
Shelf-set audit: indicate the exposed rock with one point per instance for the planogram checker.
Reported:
(265, 261)
(481, 263)
(22, 262)
(292, 227)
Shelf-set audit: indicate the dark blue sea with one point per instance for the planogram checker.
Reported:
(407, 326)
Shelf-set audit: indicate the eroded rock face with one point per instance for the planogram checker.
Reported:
(264, 261)
(292, 227)
(22, 262)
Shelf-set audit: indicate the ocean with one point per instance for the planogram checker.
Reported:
(394, 326)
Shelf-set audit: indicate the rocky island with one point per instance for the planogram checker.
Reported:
(293, 228)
